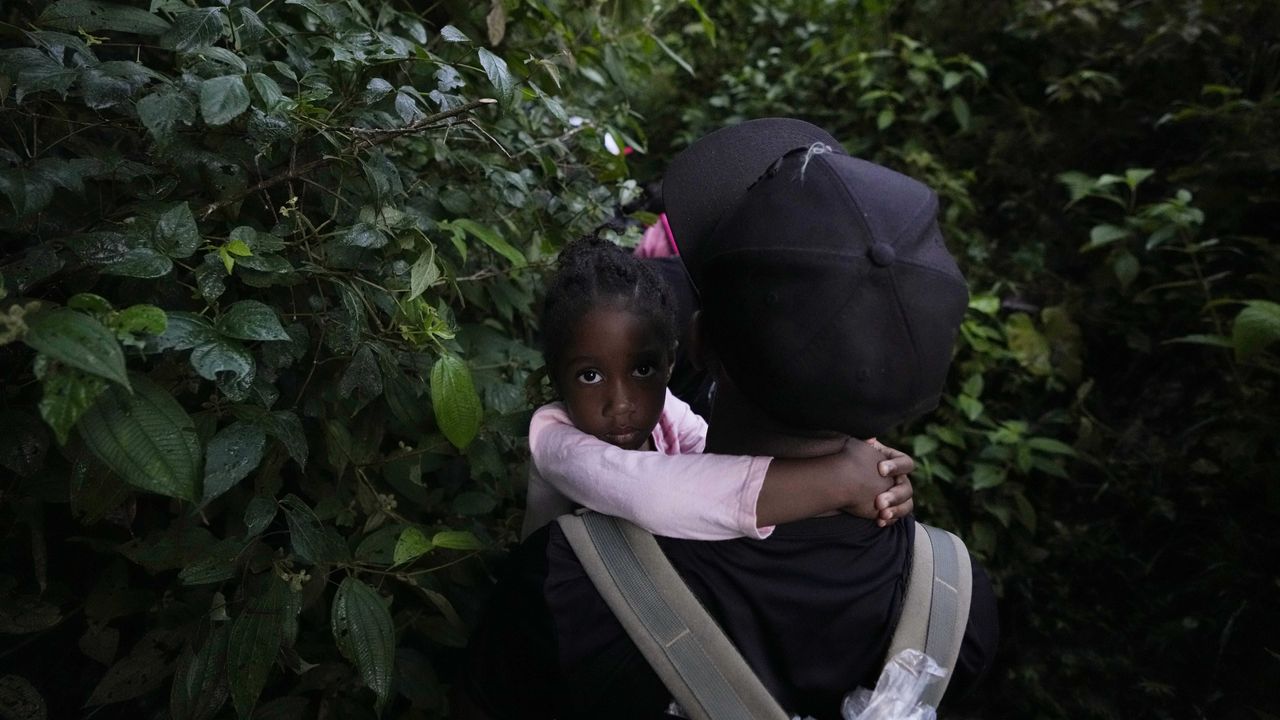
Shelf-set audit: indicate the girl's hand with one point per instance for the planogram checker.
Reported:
(894, 503)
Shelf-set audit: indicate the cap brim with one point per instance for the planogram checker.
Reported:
(713, 173)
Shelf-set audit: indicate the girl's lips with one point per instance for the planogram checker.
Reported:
(625, 436)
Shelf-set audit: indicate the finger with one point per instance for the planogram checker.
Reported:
(899, 465)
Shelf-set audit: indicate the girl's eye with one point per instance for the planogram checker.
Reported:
(643, 371)
(589, 377)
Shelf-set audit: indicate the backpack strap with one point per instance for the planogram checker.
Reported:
(935, 609)
(681, 642)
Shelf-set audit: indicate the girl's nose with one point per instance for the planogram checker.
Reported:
(620, 401)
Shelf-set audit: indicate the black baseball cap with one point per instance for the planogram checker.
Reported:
(713, 173)
(828, 294)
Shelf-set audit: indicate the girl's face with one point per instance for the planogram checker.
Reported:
(613, 376)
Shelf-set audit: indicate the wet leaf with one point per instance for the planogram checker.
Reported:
(77, 340)
(454, 399)
(365, 635)
(146, 438)
(230, 456)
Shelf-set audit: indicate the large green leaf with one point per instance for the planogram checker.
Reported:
(200, 684)
(496, 68)
(197, 28)
(1256, 327)
(162, 111)
(92, 16)
(365, 634)
(255, 641)
(77, 340)
(230, 456)
(139, 263)
(222, 99)
(411, 544)
(313, 541)
(145, 438)
(67, 394)
(490, 237)
(454, 399)
(144, 669)
(228, 363)
(176, 233)
(251, 320)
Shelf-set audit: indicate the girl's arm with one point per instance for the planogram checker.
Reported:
(706, 497)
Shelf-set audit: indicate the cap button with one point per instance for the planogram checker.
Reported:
(882, 254)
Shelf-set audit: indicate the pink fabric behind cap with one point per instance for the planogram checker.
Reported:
(657, 241)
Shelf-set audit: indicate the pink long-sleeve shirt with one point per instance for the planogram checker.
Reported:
(675, 492)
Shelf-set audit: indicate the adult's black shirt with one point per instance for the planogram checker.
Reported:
(811, 609)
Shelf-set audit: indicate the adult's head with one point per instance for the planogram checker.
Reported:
(828, 296)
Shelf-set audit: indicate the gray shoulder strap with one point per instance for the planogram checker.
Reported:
(935, 610)
(697, 663)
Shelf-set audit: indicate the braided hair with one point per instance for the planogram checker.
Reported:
(591, 272)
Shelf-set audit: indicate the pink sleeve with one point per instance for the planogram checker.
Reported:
(697, 497)
(684, 431)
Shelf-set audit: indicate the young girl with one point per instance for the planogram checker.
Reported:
(609, 339)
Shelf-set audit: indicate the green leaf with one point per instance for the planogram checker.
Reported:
(454, 399)
(230, 456)
(885, 118)
(1103, 235)
(92, 16)
(197, 28)
(200, 684)
(423, 274)
(1049, 445)
(987, 476)
(255, 640)
(1255, 328)
(163, 111)
(145, 438)
(68, 393)
(77, 340)
(453, 34)
(1125, 267)
(1028, 345)
(456, 540)
(496, 68)
(144, 669)
(139, 263)
(313, 542)
(971, 407)
(684, 64)
(365, 635)
(251, 320)
(490, 237)
(90, 303)
(411, 545)
(960, 109)
(227, 363)
(141, 320)
(922, 445)
(1134, 176)
(258, 514)
(222, 99)
(270, 92)
(364, 235)
(176, 233)
(183, 331)
(285, 426)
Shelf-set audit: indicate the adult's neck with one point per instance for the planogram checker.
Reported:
(738, 427)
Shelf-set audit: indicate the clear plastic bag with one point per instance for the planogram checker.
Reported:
(898, 691)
